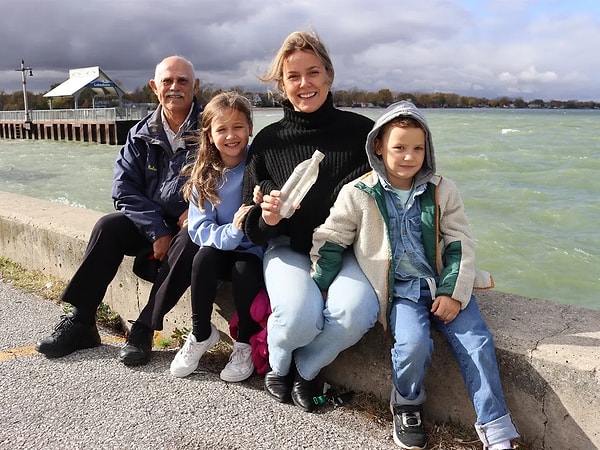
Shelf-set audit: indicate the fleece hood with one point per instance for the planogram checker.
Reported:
(402, 109)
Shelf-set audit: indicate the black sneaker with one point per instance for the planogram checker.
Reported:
(69, 335)
(408, 427)
(138, 347)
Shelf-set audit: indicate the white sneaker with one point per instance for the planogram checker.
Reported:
(240, 365)
(187, 358)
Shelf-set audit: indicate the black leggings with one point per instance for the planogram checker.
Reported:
(113, 237)
(211, 265)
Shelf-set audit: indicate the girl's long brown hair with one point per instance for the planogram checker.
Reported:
(206, 171)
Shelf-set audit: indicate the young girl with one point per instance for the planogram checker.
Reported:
(214, 191)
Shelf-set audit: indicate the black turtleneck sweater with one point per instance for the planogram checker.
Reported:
(280, 146)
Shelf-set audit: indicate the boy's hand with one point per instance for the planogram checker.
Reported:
(445, 308)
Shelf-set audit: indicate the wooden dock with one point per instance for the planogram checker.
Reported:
(102, 125)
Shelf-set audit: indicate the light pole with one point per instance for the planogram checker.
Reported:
(24, 71)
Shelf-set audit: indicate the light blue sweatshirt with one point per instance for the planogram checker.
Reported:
(214, 227)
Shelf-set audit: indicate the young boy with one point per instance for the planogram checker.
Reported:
(411, 238)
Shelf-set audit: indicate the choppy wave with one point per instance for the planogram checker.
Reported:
(66, 201)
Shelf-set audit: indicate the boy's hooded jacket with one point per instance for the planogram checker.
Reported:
(359, 218)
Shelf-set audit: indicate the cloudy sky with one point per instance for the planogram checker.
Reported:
(532, 49)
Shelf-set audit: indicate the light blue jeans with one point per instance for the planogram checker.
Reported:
(473, 347)
(303, 326)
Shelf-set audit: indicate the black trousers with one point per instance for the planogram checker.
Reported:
(113, 237)
(245, 272)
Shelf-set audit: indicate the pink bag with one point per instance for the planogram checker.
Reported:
(259, 311)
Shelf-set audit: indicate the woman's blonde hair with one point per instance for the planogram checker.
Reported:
(298, 40)
(206, 171)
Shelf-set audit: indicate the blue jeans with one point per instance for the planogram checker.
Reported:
(473, 348)
(303, 326)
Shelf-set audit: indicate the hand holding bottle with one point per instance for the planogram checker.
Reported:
(299, 183)
(270, 206)
(281, 204)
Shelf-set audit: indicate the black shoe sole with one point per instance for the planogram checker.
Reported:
(137, 360)
(308, 409)
(59, 354)
(404, 446)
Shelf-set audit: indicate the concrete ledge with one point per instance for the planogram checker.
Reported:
(548, 353)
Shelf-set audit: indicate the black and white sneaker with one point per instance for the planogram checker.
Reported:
(409, 432)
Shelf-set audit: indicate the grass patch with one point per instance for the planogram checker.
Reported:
(162, 342)
(179, 336)
(32, 282)
(51, 288)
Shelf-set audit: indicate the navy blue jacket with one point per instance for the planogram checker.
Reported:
(147, 182)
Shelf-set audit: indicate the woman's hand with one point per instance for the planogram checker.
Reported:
(257, 195)
(270, 206)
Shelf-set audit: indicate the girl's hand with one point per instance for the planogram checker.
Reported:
(238, 217)
(270, 206)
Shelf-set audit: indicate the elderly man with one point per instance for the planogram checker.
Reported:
(151, 223)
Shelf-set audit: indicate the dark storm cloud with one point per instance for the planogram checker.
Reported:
(499, 48)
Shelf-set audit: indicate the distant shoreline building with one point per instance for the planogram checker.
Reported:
(79, 80)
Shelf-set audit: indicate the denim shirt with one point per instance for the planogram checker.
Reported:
(408, 254)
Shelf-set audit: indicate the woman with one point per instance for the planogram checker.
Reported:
(307, 329)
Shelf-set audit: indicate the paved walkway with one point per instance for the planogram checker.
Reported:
(88, 400)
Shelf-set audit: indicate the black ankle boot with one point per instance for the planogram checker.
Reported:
(303, 392)
(138, 348)
(279, 387)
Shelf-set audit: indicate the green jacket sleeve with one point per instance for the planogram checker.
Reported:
(328, 265)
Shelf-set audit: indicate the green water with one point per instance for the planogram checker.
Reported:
(529, 179)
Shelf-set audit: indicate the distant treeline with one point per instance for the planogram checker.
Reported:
(352, 97)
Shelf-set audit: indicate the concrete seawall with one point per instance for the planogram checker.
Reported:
(548, 353)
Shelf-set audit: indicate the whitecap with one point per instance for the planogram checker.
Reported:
(67, 202)
(583, 252)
